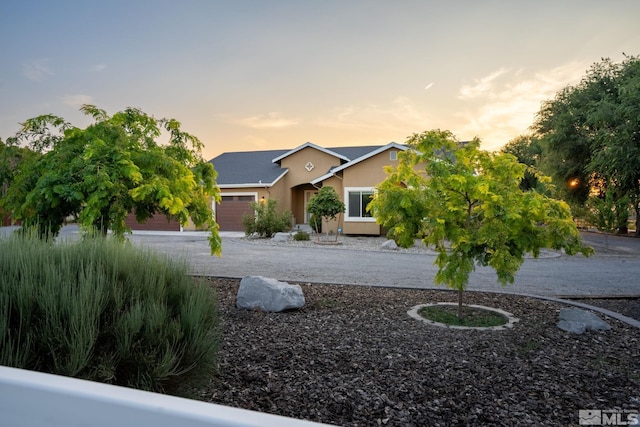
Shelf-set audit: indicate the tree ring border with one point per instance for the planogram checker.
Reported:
(511, 319)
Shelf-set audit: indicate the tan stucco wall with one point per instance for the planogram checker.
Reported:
(370, 172)
(298, 178)
(296, 164)
(366, 174)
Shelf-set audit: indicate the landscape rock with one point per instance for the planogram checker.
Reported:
(267, 294)
(571, 326)
(390, 244)
(578, 321)
(280, 237)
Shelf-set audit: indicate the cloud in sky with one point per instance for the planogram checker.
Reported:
(37, 70)
(272, 120)
(77, 100)
(483, 87)
(399, 115)
(503, 104)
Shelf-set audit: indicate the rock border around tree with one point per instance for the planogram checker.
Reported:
(511, 319)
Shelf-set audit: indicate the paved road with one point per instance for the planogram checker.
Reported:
(613, 271)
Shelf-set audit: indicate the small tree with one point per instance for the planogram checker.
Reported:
(467, 203)
(327, 206)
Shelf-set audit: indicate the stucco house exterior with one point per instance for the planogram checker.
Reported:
(293, 177)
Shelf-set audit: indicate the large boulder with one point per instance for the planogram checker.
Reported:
(266, 294)
(577, 321)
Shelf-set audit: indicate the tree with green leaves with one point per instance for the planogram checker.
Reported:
(527, 150)
(12, 159)
(327, 206)
(467, 204)
(112, 167)
(590, 133)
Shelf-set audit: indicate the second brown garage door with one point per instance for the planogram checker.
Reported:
(157, 222)
(230, 210)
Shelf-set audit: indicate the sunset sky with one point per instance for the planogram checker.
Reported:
(256, 75)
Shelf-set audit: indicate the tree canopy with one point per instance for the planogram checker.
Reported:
(112, 167)
(527, 150)
(467, 204)
(326, 205)
(590, 133)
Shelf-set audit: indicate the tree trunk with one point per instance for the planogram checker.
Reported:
(459, 303)
(637, 219)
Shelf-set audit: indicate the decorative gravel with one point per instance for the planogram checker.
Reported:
(353, 357)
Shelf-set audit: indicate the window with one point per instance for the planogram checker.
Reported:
(393, 155)
(357, 201)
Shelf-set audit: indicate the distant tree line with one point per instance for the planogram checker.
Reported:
(588, 139)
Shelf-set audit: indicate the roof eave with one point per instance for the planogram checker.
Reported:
(255, 184)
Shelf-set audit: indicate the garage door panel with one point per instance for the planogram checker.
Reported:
(158, 222)
(231, 209)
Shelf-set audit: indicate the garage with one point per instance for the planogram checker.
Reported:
(158, 222)
(231, 209)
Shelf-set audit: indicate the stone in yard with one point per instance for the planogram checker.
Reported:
(268, 294)
(390, 244)
(280, 237)
(571, 326)
(577, 321)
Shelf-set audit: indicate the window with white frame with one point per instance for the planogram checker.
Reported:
(393, 155)
(357, 199)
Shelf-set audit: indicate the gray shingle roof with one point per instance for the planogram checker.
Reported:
(254, 167)
(247, 167)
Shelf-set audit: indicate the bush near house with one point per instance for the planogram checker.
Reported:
(105, 312)
(267, 221)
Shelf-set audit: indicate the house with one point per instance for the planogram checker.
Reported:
(293, 177)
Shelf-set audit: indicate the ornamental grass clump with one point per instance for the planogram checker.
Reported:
(103, 311)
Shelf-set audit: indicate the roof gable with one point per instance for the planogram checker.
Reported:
(311, 145)
(360, 159)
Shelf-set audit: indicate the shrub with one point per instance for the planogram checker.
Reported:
(301, 235)
(267, 220)
(102, 311)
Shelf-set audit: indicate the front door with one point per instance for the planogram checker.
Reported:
(308, 195)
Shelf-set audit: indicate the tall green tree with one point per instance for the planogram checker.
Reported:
(112, 167)
(591, 133)
(12, 159)
(527, 149)
(467, 204)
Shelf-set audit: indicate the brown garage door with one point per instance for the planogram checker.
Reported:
(158, 222)
(230, 210)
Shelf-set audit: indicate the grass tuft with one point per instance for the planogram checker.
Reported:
(471, 316)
